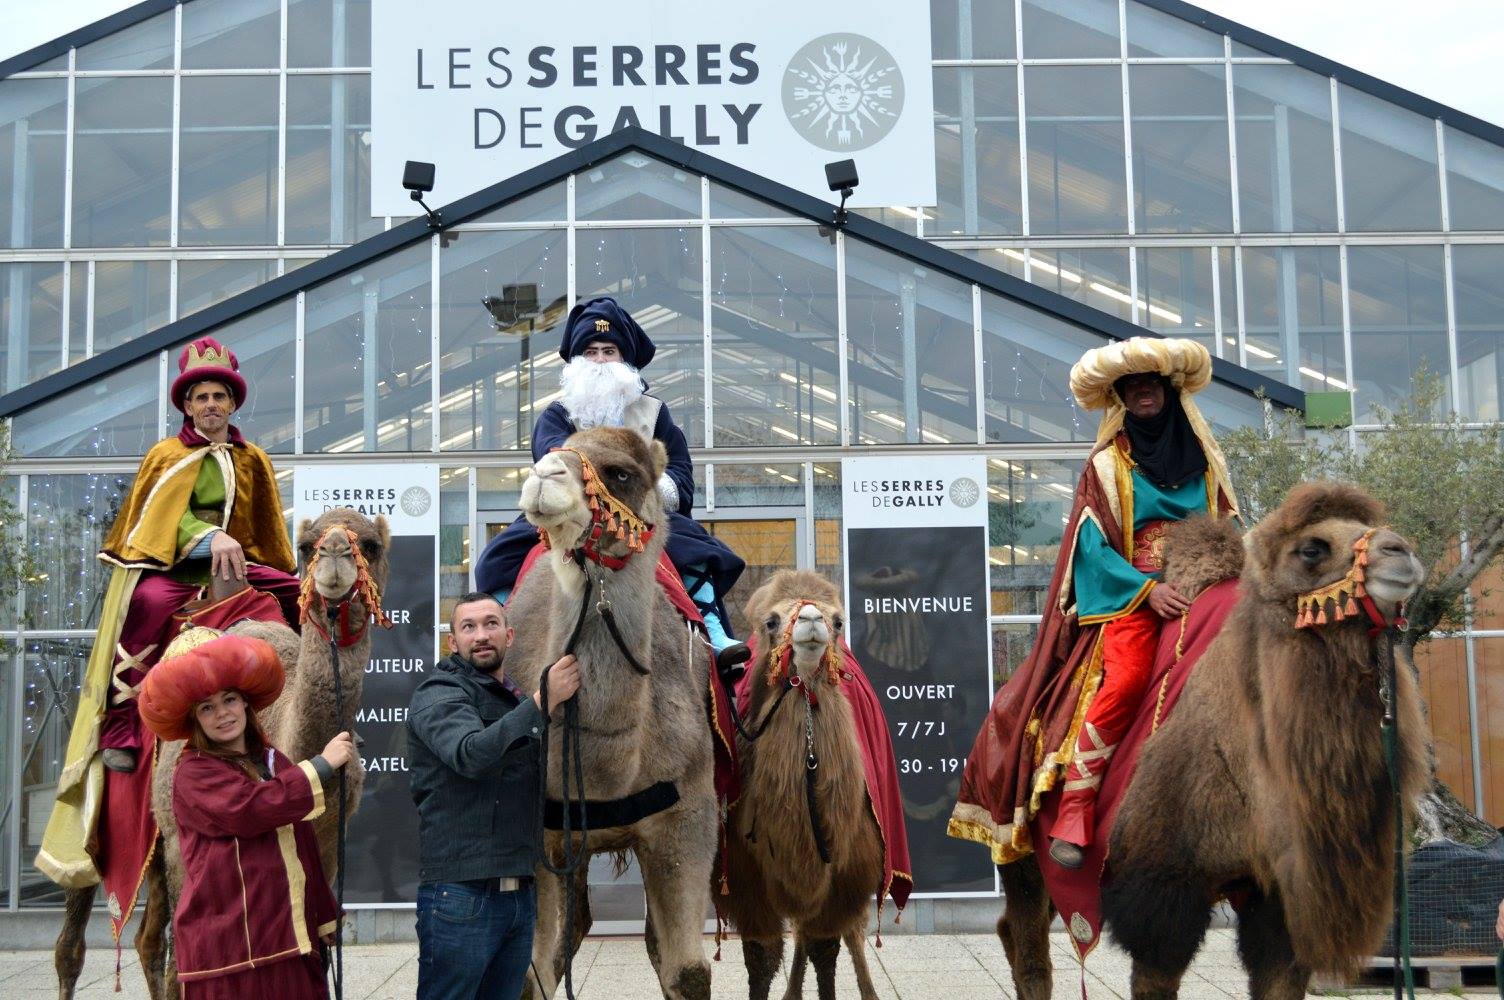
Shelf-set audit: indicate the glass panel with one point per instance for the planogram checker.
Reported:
(499, 361)
(265, 344)
(1097, 277)
(773, 316)
(1175, 293)
(1026, 360)
(1154, 33)
(828, 559)
(497, 492)
(122, 162)
(228, 179)
(78, 310)
(976, 152)
(33, 126)
(726, 203)
(1011, 645)
(911, 363)
(1006, 259)
(1398, 310)
(113, 415)
(768, 545)
(367, 334)
(546, 205)
(1286, 178)
(1028, 507)
(240, 35)
(202, 283)
(329, 32)
(655, 275)
(329, 160)
(1292, 305)
(31, 316)
(1181, 174)
(67, 519)
(971, 29)
(147, 45)
(1478, 290)
(634, 186)
(1389, 175)
(52, 672)
(1065, 29)
(1475, 182)
(1227, 286)
(131, 297)
(454, 538)
(1077, 180)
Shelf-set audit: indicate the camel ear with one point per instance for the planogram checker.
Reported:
(383, 532)
(659, 458)
(305, 529)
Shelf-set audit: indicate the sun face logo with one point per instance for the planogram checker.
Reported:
(843, 92)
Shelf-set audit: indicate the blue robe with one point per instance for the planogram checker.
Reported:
(698, 556)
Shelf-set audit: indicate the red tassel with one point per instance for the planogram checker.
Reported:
(1321, 618)
(1358, 572)
(1352, 606)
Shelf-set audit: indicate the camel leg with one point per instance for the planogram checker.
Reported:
(797, 965)
(68, 953)
(1264, 946)
(675, 872)
(151, 936)
(762, 959)
(548, 955)
(822, 955)
(1024, 929)
(856, 944)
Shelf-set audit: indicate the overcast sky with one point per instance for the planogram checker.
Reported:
(1449, 50)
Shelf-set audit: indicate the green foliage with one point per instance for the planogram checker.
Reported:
(1441, 481)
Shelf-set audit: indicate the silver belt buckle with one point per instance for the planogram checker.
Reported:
(507, 883)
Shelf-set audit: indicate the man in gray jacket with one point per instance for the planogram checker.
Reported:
(473, 751)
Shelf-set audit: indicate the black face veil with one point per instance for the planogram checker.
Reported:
(1165, 447)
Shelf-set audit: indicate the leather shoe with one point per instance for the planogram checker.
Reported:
(1066, 854)
(729, 662)
(116, 759)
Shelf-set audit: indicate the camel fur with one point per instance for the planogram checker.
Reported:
(1268, 781)
(635, 730)
(299, 723)
(773, 866)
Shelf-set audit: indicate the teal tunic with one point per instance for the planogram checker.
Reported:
(1107, 586)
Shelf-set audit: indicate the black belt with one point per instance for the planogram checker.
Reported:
(607, 813)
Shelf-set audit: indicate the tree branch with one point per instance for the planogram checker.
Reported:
(1483, 546)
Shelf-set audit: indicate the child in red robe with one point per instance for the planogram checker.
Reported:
(255, 906)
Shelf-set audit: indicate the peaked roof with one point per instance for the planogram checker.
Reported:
(1460, 120)
(555, 170)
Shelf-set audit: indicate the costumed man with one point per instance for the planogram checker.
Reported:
(204, 507)
(1060, 716)
(604, 350)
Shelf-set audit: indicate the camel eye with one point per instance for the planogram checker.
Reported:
(771, 624)
(369, 549)
(837, 622)
(622, 477)
(1313, 550)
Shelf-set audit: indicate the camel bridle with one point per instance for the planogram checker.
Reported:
(1349, 597)
(610, 517)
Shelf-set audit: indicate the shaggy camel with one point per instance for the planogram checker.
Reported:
(1268, 782)
(299, 723)
(636, 730)
(773, 865)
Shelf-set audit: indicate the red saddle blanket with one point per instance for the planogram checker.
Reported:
(879, 769)
(1078, 894)
(718, 705)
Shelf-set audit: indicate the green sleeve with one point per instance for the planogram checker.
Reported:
(1106, 585)
(208, 494)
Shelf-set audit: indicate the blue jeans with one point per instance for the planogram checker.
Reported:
(474, 943)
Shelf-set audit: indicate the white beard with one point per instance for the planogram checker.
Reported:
(598, 394)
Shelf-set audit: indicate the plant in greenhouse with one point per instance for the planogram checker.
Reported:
(1442, 481)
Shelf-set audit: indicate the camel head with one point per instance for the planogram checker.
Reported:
(616, 481)
(1325, 545)
(799, 610)
(334, 549)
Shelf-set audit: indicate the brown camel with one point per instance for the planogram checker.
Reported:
(636, 730)
(1268, 783)
(773, 865)
(299, 723)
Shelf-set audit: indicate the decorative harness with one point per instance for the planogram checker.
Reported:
(1348, 596)
(608, 515)
(364, 587)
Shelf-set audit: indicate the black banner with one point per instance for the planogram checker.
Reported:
(919, 627)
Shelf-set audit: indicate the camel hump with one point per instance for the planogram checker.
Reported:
(1201, 551)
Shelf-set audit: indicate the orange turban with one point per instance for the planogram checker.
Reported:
(178, 683)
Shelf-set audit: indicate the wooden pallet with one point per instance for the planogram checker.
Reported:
(1452, 972)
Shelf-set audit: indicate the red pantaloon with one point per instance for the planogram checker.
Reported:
(1128, 646)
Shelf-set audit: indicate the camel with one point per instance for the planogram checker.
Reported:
(773, 865)
(1268, 783)
(299, 723)
(636, 729)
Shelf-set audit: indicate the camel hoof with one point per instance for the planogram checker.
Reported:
(1067, 855)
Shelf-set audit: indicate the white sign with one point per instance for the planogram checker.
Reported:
(486, 90)
(939, 491)
(406, 495)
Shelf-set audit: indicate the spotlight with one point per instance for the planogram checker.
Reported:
(417, 177)
(841, 176)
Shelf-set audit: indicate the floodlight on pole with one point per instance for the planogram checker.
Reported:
(841, 176)
(417, 177)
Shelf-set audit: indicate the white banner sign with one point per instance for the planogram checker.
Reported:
(941, 491)
(485, 90)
